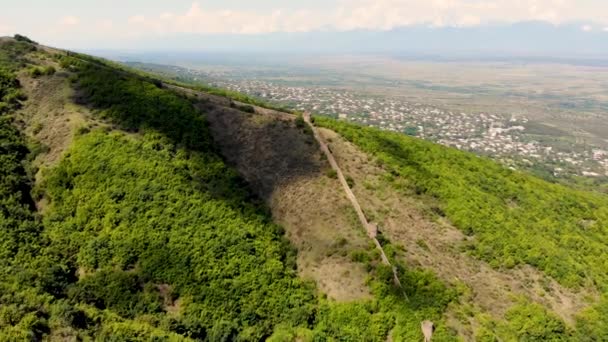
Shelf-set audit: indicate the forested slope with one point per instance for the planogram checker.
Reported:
(141, 231)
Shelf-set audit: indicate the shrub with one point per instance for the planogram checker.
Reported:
(21, 38)
(49, 70)
(350, 181)
(331, 173)
(42, 71)
(246, 108)
(531, 322)
(360, 256)
(36, 72)
(300, 123)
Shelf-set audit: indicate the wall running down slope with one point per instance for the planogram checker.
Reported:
(371, 229)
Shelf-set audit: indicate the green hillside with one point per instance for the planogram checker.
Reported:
(139, 230)
(515, 218)
(142, 232)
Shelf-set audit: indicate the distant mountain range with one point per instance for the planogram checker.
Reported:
(525, 39)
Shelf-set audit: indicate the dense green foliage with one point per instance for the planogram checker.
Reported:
(149, 236)
(18, 227)
(143, 213)
(31, 277)
(515, 217)
(10, 94)
(129, 215)
(526, 322)
(41, 71)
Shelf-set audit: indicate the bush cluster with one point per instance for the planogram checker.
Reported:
(21, 38)
(38, 71)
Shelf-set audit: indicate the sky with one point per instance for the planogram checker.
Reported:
(120, 23)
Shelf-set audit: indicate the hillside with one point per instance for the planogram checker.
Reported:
(134, 208)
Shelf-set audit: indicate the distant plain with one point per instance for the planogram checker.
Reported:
(562, 99)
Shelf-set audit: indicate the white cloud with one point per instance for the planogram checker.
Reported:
(6, 30)
(392, 13)
(70, 20)
(105, 25)
(605, 29)
(587, 28)
(200, 20)
(367, 14)
(469, 20)
(137, 19)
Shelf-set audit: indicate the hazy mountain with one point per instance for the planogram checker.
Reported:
(520, 39)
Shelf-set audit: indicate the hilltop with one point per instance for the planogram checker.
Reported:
(138, 208)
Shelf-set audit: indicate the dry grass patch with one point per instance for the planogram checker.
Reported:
(284, 166)
(49, 115)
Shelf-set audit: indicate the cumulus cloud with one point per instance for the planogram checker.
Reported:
(137, 19)
(70, 20)
(200, 20)
(392, 13)
(587, 28)
(369, 14)
(105, 25)
(6, 30)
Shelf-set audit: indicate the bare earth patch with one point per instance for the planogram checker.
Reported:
(50, 114)
(284, 167)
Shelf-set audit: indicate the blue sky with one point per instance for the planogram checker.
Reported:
(117, 23)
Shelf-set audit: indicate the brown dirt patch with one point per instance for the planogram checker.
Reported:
(49, 115)
(284, 166)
